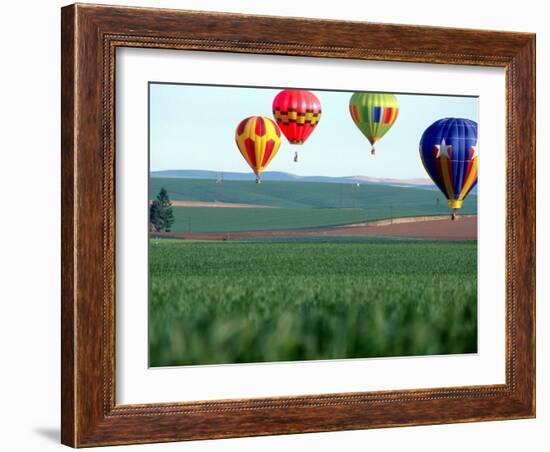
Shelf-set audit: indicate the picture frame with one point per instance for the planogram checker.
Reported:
(90, 36)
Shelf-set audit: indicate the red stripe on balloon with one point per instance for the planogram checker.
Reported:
(353, 111)
(250, 150)
(241, 126)
(468, 171)
(387, 115)
(260, 127)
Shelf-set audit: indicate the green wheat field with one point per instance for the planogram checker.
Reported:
(297, 299)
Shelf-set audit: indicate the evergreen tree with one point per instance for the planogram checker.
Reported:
(161, 215)
(154, 217)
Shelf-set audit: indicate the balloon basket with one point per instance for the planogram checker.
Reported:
(373, 151)
(258, 180)
(454, 216)
(295, 157)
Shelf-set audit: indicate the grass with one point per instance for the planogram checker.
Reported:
(212, 219)
(220, 219)
(237, 302)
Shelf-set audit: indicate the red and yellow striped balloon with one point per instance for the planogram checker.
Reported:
(258, 139)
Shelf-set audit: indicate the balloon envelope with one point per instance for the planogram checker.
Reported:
(297, 113)
(258, 139)
(448, 149)
(373, 113)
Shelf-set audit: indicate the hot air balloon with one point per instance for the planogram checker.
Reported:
(258, 138)
(373, 114)
(297, 113)
(448, 149)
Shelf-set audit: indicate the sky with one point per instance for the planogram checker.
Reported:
(193, 127)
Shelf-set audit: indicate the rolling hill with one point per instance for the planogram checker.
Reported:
(299, 194)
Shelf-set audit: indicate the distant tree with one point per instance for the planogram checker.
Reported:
(161, 215)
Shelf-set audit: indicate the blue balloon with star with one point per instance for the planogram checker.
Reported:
(448, 149)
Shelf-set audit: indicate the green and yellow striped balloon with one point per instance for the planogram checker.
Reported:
(374, 114)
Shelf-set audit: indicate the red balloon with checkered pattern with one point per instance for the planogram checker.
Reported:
(297, 113)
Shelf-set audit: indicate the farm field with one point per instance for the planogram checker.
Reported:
(287, 300)
(213, 219)
(298, 204)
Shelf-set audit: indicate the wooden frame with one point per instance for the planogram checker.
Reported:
(90, 35)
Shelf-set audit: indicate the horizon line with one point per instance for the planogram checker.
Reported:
(293, 174)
